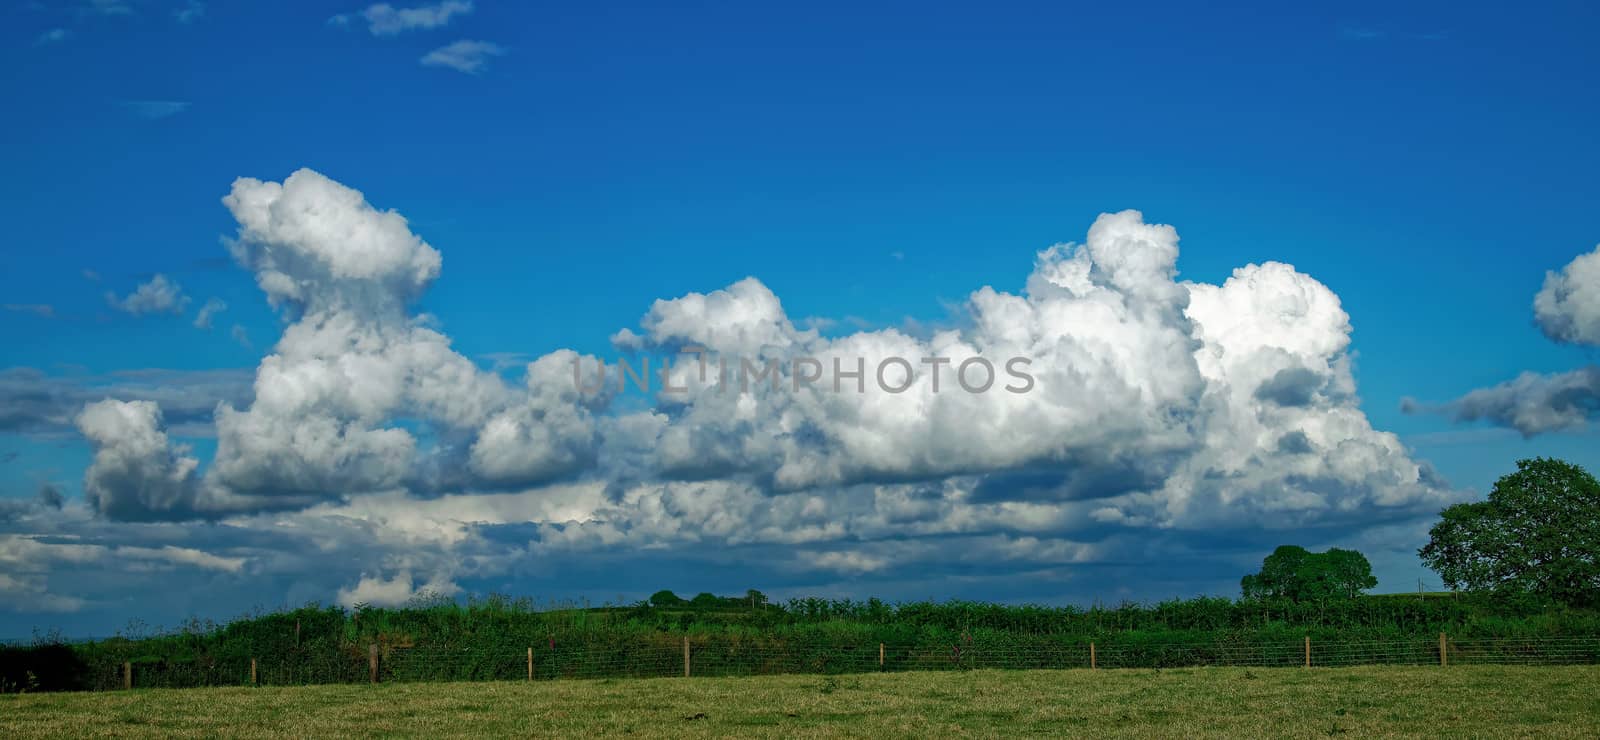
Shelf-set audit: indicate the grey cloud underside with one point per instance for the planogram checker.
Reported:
(39, 403)
(1567, 309)
(1158, 405)
(1532, 403)
(82, 573)
(1291, 386)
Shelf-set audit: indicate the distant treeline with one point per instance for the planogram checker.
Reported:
(507, 626)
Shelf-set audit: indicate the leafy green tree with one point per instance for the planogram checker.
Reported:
(1293, 573)
(1349, 573)
(666, 598)
(1279, 574)
(1537, 533)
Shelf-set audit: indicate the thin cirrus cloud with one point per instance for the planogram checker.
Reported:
(155, 110)
(108, 7)
(384, 19)
(190, 12)
(42, 310)
(53, 36)
(471, 57)
(1365, 34)
(1350, 32)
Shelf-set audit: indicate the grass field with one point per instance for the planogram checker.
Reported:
(1464, 700)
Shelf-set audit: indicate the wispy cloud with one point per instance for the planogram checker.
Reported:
(1360, 33)
(190, 13)
(42, 310)
(43, 404)
(241, 336)
(155, 110)
(109, 7)
(500, 361)
(213, 306)
(384, 19)
(470, 57)
(53, 36)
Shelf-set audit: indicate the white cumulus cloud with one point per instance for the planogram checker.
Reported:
(1568, 306)
(137, 471)
(159, 294)
(393, 591)
(1154, 406)
(384, 19)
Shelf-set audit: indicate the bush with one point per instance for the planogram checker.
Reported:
(440, 639)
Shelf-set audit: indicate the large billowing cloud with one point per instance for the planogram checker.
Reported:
(1140, 384)
(1567, 308)
(1117, 400)
(321, 424)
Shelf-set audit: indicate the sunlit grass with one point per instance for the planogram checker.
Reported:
(1432, 701)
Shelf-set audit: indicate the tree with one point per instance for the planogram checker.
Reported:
(1280, 575)
(1348, 572)
(666, 598)
(1294, 573)
(1537, 533)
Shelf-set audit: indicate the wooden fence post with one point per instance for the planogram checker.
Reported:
(1444, 650)
(127, 674)
(252, 671)
(880, 656)
(1308, 651)
(372, 662)
(685, 656)
(1092, 665)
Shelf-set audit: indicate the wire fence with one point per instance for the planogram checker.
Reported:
(713, 656)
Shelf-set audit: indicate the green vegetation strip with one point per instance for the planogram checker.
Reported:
(1212, 702)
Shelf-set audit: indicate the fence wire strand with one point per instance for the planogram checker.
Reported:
(718, 656)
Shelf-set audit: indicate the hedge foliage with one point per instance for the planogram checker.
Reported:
(488, 638)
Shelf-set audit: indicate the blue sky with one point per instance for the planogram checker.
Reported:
(870, 166)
